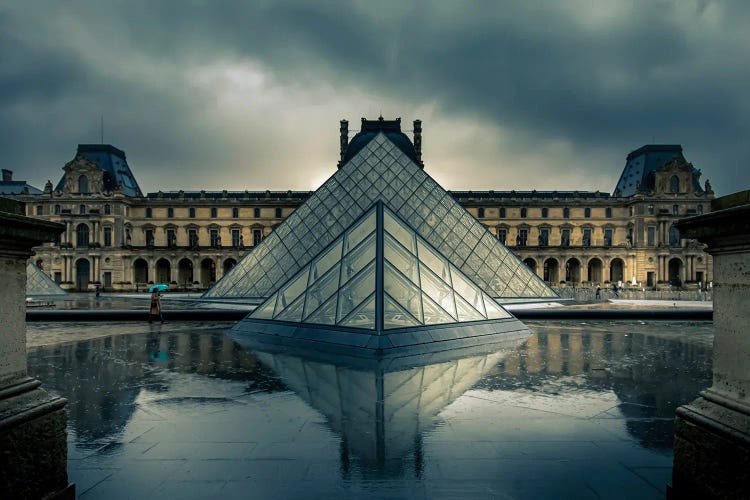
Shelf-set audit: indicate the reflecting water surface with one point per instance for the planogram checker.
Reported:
(581, 410)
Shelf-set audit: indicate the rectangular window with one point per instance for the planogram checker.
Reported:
(170, 212)
(502, 235)
(191, 212)
(607, 237)
(193, 238)
(58, 277)
(587, 237)
(651, 236)
(257, 236)
(565, 238)
(149, 213)
(171, 238)
(543, 237)
(235, 213)
(675, 210)
(523, 237)
(256, 212)
(39, 210)
(149, 237)
(107, 209)
(608, 212)
(215, 239)
(278, 213)
(236, 234)
(57, 209)
(214, 212)
(651, 210)
(107, 236)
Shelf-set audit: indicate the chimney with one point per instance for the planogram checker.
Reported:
(7, 175)
(343, 139)
(418, 141)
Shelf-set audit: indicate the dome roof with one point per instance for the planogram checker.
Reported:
(390, 128)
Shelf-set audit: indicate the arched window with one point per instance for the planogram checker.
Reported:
(82, 235)
(674, 184)
(587, 212)
(502, 212)
(480, 212)
(83, 184)
(523, 213)
(566, 213)
(545, 213)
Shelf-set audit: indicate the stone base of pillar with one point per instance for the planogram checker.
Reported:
(33, 443)
(711, 449)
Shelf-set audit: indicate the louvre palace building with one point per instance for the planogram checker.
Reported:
(123, 239)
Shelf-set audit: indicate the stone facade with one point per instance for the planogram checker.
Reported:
(189, 239)
(712, 436)
(33, 444)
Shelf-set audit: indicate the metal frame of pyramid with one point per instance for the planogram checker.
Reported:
(38, 284)
(380, 171)
(382, 288)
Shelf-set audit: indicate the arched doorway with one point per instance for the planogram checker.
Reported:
(228, 265)
(530, 263)
(163, 271)
(208, 272)
(185, 272)
(616, 270)
(595, 270)
(551, 271)
(83, 269)
(140, 271)
(573, 270)
(675, 268)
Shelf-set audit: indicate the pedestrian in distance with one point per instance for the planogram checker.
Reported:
(615, 290)
(598, 292)
(155, 309)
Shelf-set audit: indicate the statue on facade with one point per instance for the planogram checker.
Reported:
(707, 187)
(48, 187)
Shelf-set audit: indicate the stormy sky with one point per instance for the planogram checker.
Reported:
(249, 94)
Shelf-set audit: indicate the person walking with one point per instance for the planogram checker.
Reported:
(598, 292)
(616, 290)
(155, 309)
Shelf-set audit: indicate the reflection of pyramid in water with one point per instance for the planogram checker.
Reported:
(381, 170)
(381, 409)
(38, 284)
(382, 279)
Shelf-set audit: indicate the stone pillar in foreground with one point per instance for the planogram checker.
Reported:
(712, 435)
(33, 442)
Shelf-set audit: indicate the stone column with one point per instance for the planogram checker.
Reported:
(712, 434)
(33, 443)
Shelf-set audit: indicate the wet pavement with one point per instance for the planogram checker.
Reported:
(581, 410)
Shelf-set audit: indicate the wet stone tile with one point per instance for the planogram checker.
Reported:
(575, 411)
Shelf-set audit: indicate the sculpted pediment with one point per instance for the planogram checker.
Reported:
(81, 166)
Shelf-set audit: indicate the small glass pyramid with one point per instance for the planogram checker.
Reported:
(381, 171)
(379, 275)
(38, 284)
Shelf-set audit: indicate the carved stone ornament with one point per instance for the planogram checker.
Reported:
(79, 166)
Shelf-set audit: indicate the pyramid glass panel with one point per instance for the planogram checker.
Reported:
(395, 316)
(433, 313)
(355, 291)
(290, 292)
(38, 284)
(383, 171)
(356, 260)
(363, 316)
(293, 312)
(321, 290)
(438, 290)
(401, 259)
(325, 314)
(402, 291)
(466, 312)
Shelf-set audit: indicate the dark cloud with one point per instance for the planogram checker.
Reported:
(247, 94)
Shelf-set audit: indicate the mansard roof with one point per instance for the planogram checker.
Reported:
(637, 176)
(117, 173)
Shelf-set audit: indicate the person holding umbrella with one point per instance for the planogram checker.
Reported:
(155, 309)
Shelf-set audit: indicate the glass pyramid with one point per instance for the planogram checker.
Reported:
(379, 274)
(381, 171)
(38, 284)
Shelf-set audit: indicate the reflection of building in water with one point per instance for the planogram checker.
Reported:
(381, 408)
(650, 375)
(103, 377)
